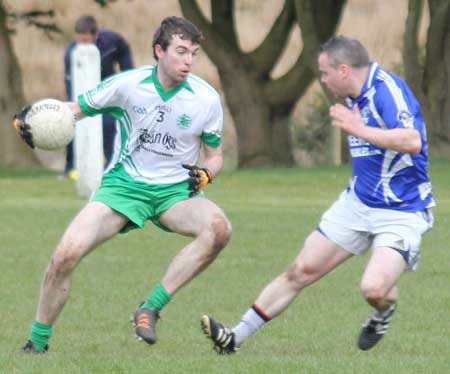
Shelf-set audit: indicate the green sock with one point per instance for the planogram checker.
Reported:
(39, 335)
(157, 299)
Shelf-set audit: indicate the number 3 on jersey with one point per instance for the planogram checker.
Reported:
(160, 116)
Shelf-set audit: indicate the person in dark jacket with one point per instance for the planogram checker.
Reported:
(114, 52)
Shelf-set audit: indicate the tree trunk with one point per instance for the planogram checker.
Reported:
(430, 80)
(13, 151)
(251, 119)
(261, 106)
(263, 137)
(282, 146)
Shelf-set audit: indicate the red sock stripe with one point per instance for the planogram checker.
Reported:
(263, 315)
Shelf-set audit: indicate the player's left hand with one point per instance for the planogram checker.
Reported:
(22, 127)
(199, 178)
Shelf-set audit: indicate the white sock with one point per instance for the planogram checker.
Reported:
(381, 314)
(249, 324)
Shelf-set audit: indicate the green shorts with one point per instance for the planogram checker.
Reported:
(138, 201)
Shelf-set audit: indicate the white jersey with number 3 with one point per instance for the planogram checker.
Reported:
(159, 130)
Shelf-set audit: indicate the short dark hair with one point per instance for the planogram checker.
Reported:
(175, 26)
(86, 25)
(345, 50)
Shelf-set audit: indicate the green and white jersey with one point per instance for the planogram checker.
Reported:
(158, 130)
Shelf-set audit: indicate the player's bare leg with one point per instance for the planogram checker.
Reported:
(206, 222)
(211, 229)
(94, 224)
(378, 286)
(318, 257)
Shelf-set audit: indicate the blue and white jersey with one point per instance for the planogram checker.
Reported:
(383, 178)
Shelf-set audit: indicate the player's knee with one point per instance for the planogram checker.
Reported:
(221, 232)
(65, 259)
(373, 291)
(301, 274)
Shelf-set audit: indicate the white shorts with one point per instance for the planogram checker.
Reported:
(356, 228)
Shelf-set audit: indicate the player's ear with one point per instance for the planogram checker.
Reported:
(159, 51)
(344, 69)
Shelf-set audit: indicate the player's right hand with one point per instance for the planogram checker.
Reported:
(199, 178)
(23, 129)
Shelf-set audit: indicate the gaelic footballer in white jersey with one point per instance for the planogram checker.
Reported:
(159, 130)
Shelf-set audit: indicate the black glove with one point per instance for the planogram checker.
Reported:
(23, 128)
(199, 178)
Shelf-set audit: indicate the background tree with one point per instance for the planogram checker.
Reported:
(12, 150)
(261, 106)
(428, 71)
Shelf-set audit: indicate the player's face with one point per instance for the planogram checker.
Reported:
(334, 77)
(86, 37)
(175, 63)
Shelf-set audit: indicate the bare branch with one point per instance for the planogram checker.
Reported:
(40, 19)
(104, 3)
(269, 51)
(218, 48)
(223, 20)
(317, 22)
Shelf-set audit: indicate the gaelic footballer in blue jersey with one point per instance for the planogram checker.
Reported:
(166, 115)
(385, 207)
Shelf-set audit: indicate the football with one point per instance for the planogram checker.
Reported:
(52, 124)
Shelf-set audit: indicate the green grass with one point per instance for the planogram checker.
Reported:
(272, 211)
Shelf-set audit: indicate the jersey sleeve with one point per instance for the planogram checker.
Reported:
(212, 132)
(395, 106)
(124, 57)
(107, 97)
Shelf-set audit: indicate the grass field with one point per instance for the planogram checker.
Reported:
(272, 211)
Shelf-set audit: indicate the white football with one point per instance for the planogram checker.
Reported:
(52, 124)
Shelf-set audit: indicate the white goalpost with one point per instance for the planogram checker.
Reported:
(88, 141)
